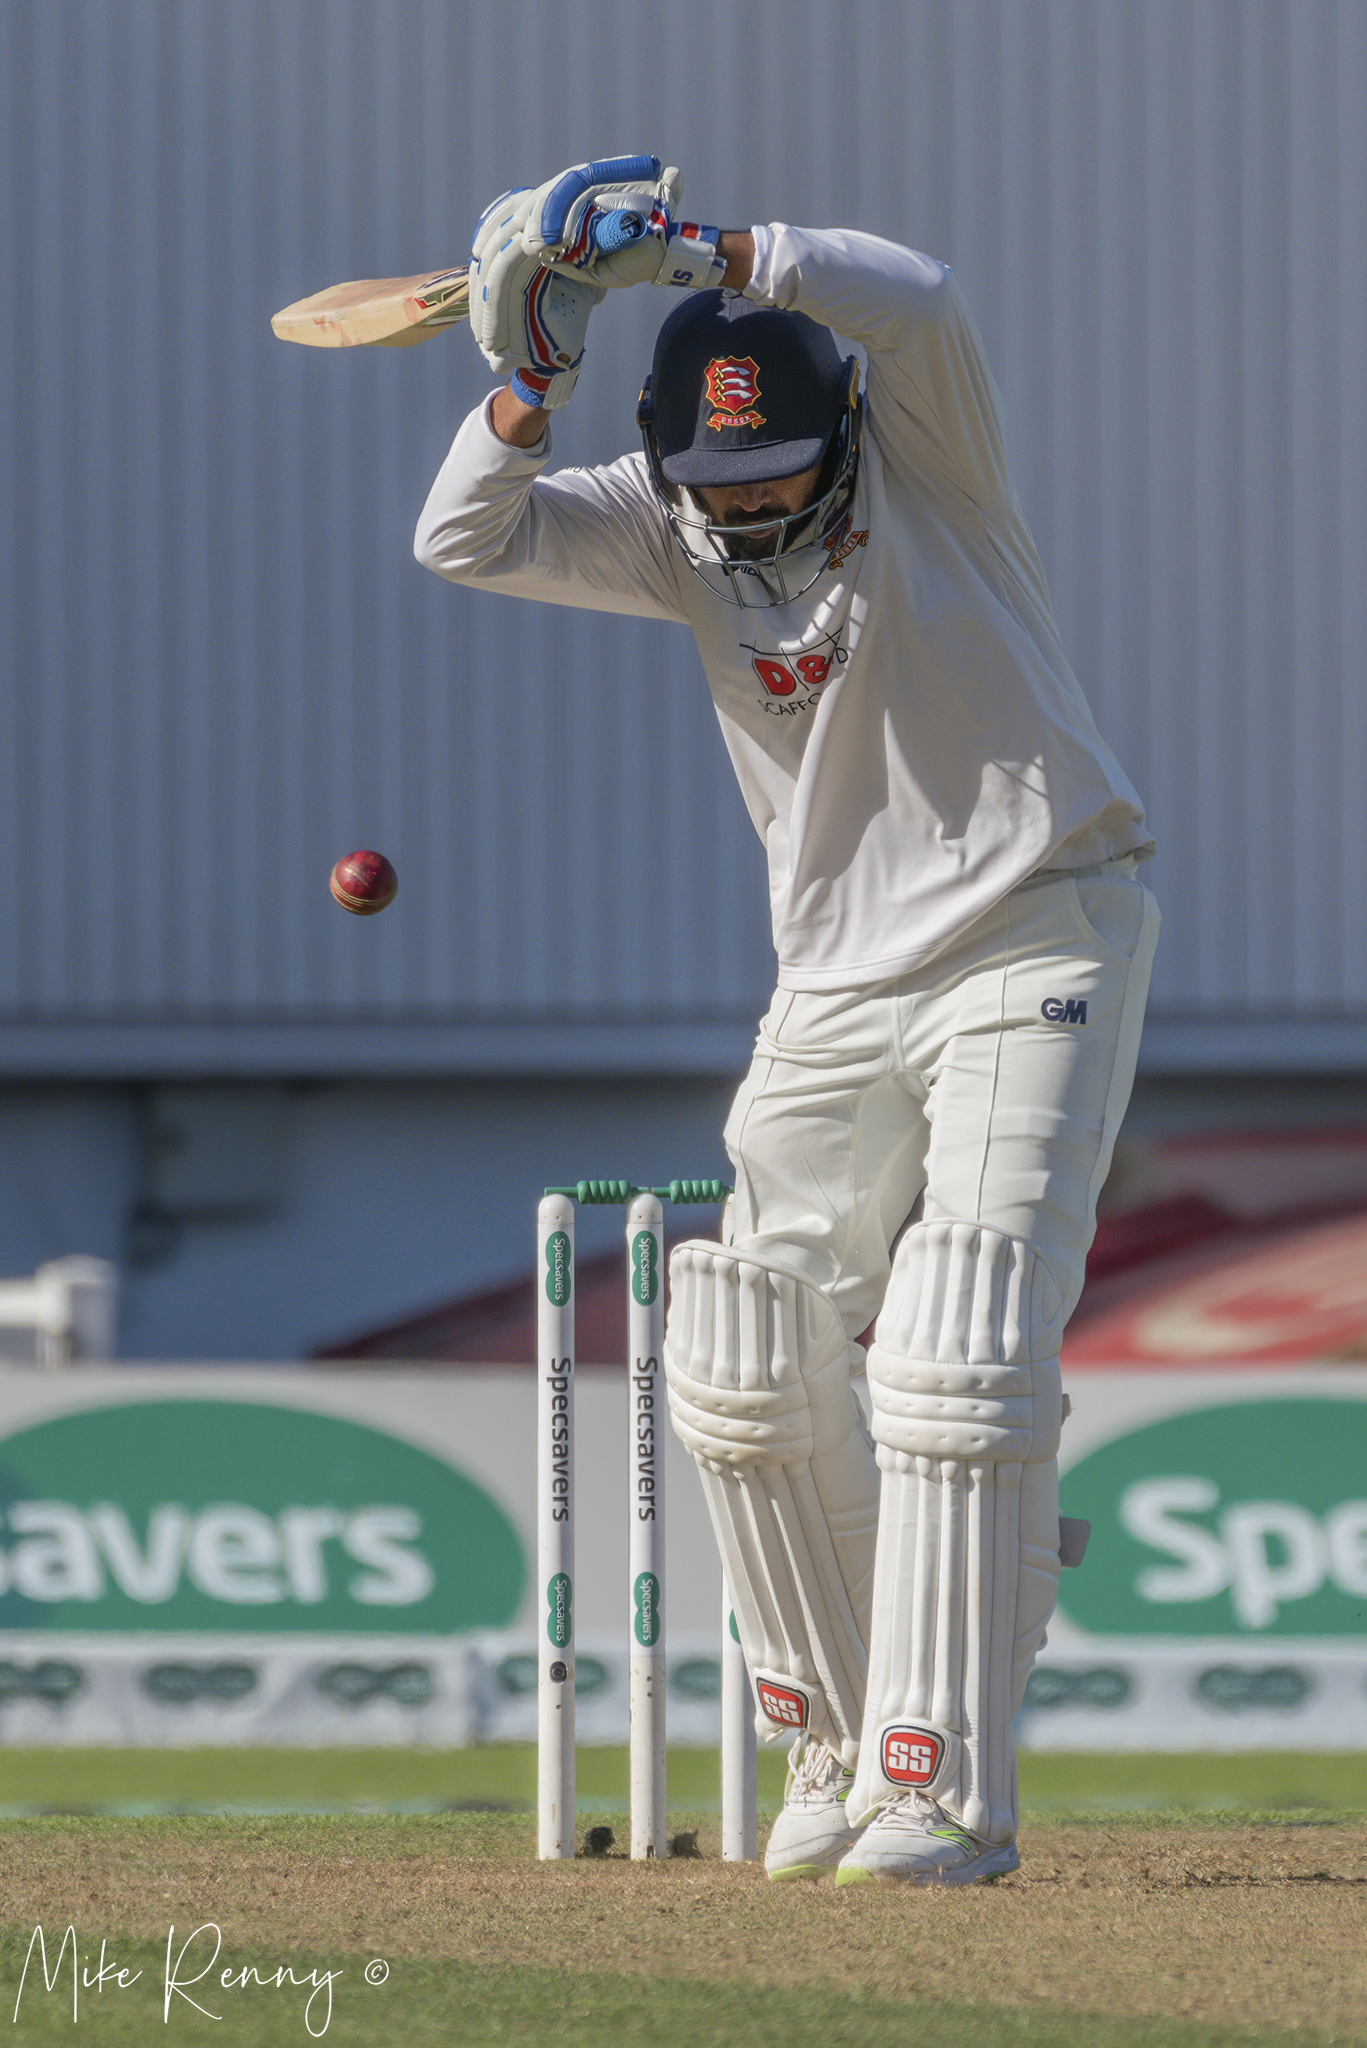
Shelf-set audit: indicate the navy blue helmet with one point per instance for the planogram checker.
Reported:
(745, 394)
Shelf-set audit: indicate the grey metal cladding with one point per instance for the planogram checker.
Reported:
(223, 667)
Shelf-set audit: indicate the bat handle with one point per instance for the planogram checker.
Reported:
(618, 230)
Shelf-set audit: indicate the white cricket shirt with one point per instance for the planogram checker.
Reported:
(908, 736)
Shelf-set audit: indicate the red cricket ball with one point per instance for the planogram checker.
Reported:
(363, 882)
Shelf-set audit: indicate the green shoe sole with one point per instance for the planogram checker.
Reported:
(1006, 1862)
(795, 1872)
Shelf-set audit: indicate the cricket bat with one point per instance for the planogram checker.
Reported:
(396, 312)
(377, 312)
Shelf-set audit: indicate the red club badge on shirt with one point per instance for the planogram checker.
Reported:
(733, 391)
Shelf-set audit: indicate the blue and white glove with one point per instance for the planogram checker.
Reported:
(615, 221)
(526, 317)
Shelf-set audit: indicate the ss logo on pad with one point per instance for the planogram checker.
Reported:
(781, 1704)
(911, 1755)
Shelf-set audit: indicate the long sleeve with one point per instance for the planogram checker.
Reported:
(589, 537)
(932, 403)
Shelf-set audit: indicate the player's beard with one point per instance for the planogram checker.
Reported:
(747, 541)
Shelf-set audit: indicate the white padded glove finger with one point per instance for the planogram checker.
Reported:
(496, 288)
(614, 221)
(525, 317)
(497, 255)
(508, 215)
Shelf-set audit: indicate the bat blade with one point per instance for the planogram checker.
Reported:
(385, 312)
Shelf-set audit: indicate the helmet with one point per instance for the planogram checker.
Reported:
(742, 394)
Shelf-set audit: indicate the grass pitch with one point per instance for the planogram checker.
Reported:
(504, 1775)
(1171, 1927)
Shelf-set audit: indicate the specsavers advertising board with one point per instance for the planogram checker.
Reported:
(254, 1554)
(1223, 1599)
(293, 1556)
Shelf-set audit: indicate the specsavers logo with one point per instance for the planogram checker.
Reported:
(203, 1515)
(1243, 1520)
(732, 384)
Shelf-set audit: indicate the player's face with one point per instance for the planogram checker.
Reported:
(751, 505)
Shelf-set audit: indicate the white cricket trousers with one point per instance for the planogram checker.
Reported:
(987, 1087)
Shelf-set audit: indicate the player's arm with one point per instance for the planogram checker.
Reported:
(587, 537)
(932, 402)
(515, 421)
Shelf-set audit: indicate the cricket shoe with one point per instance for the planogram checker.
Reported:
(911, 1840)
(813, 1831)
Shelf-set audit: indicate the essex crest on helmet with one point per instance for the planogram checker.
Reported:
(733, 389)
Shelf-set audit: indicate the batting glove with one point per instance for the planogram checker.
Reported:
(526, 317)
(614, 220)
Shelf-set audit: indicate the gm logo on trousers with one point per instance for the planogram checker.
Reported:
(1063, 1010)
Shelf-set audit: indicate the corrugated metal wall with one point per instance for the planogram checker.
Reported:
(225, 667)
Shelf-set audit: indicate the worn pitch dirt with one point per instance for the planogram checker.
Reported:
(1259, 1926)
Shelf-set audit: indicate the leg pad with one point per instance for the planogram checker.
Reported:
(758, 1371)
(967, 1403)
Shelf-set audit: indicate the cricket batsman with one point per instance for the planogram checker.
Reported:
(963, 958)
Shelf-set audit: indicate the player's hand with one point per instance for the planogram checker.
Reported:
(524, 316)
(614, 220)
(607, 219)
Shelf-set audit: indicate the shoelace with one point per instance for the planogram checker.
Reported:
(812, 1775)
(916, 1814)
